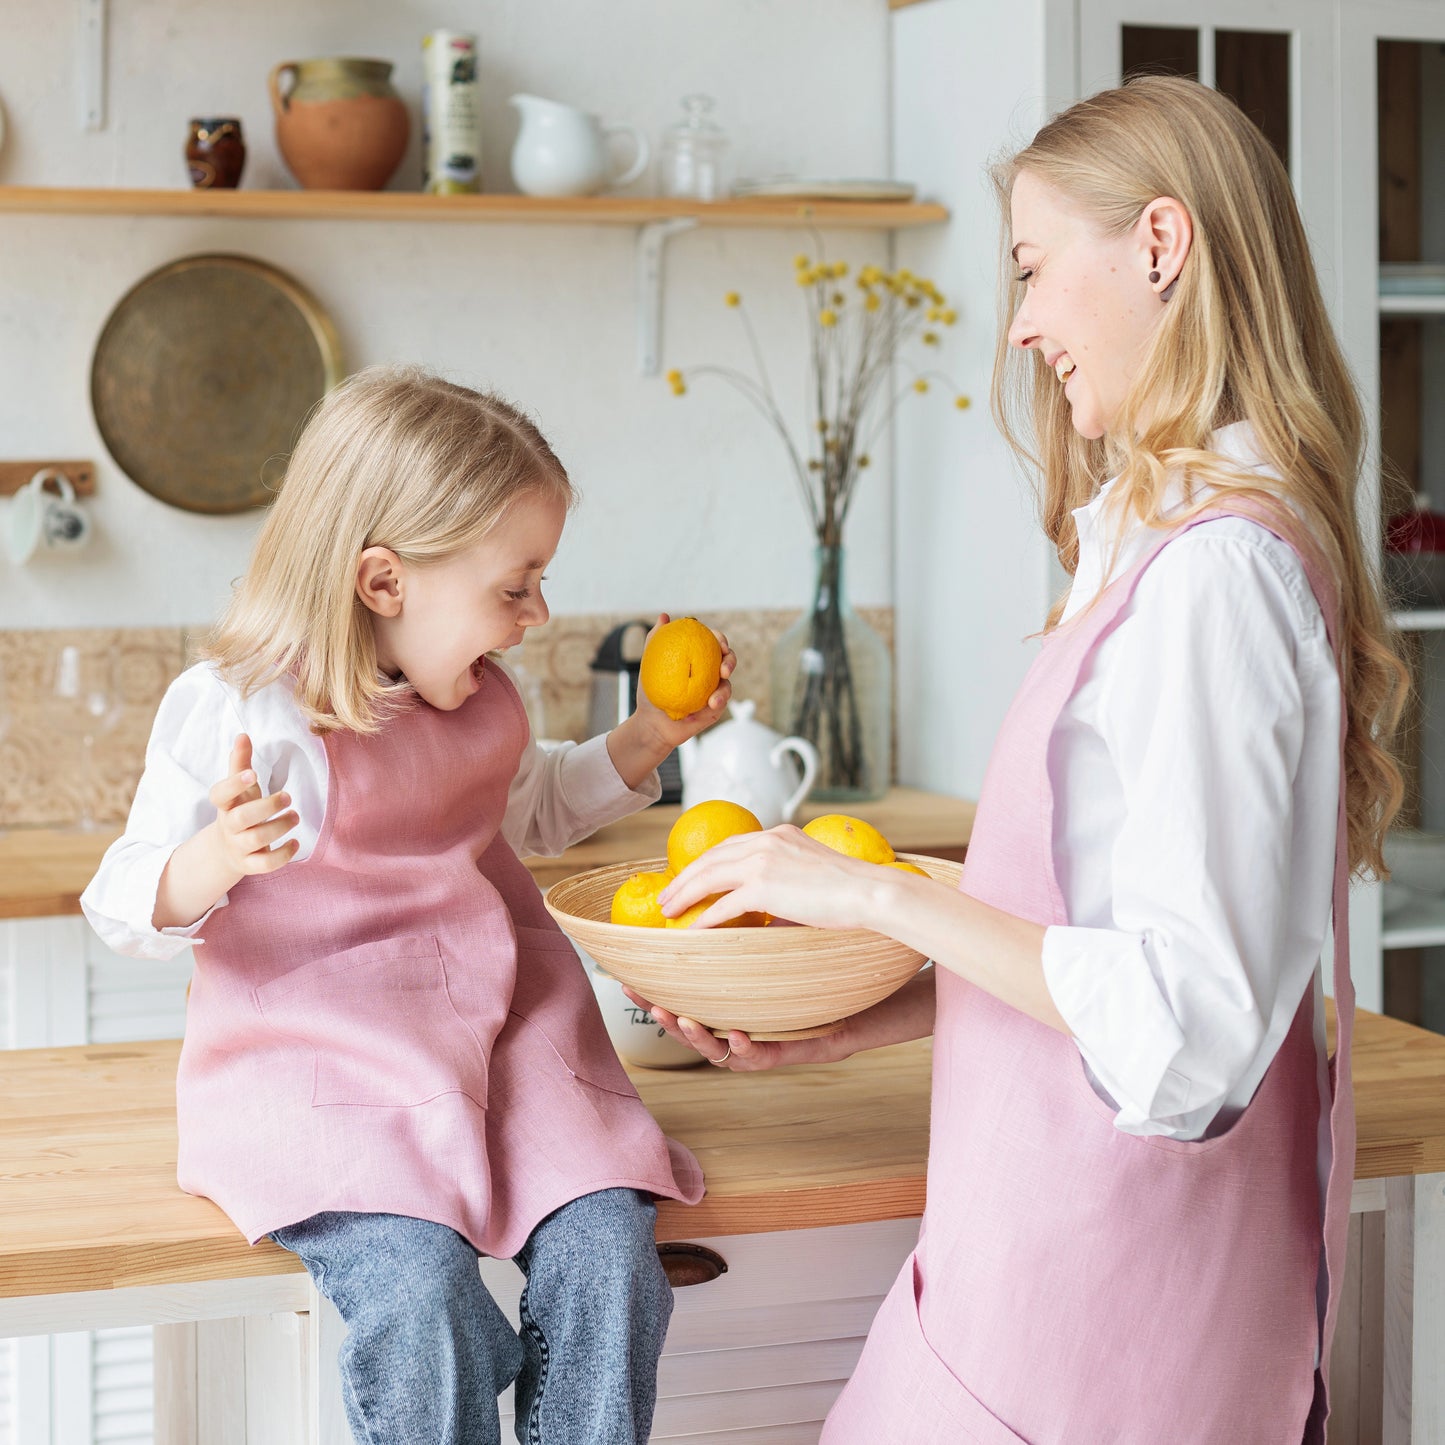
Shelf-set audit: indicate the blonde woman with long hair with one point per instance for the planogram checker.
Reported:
(393, 1060)
(1140, 1159)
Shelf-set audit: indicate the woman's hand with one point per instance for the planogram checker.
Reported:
(905, 1014)
(786, 873)
(640, 743)
(740, 1052)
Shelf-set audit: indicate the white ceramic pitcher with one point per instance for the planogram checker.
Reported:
(562, 151)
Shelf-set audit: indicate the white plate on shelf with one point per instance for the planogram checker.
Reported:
(803, 189)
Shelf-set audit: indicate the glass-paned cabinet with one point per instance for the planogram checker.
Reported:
(1352, 96)
(1392, 84)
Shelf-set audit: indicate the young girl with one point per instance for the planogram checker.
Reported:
(393, 1060)
(1140, 1163)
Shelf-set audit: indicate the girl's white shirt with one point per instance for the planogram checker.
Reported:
(557, 797)
(1196, 774)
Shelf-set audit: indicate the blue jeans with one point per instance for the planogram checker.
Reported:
(428, 1350)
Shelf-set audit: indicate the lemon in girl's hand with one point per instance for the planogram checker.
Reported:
(681, 667)
(635, 902)
(705, 824)
(850, 836)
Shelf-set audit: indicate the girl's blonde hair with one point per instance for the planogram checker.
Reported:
(393, 457)
(1245, 337)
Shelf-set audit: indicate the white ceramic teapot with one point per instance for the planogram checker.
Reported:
(563, 151)
(746, 762)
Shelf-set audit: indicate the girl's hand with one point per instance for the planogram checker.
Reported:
(739, 1052)
(246, 823)
(670, 732)
(786, 873)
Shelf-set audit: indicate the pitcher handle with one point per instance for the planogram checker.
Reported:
(281, 100)
(644, 153)
(807, 755)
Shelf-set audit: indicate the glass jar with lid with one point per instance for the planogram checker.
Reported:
(691, 162)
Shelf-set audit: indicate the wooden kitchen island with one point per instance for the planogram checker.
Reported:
(815, 1181)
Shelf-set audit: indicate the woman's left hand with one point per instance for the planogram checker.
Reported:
(786, 873)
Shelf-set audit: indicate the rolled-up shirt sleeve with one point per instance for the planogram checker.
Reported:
(188, 753)
(562, 794)
(1202, 715)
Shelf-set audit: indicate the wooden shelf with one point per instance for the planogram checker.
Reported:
(415, 206)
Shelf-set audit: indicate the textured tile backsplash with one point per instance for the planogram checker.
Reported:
(42, 777)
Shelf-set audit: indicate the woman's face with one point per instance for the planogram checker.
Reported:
(1089, 308)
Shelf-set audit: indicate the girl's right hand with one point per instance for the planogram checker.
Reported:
(246, 823)
(739, 1051)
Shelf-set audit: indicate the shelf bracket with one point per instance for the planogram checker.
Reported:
(92, 64)
(652, 241)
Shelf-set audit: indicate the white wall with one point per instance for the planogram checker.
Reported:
(688, 503)
(973, 565)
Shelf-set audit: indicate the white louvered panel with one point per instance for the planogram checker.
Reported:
(129, 999)
(8, 1409)
(7, 1012)
(121, 1389)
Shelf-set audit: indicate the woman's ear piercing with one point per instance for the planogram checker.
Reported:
(1153, 278)
(1168, 291)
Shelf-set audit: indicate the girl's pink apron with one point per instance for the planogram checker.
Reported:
(397, 1025)
(1074, 1285)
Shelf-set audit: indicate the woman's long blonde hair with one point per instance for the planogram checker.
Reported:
(393, 457)
(1245, 337)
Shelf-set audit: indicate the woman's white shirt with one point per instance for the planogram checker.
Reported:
(557, 797)
(1196, 777)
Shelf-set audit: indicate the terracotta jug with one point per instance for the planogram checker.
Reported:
(339, 124)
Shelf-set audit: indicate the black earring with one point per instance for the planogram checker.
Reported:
(1153, 278)
(1168, 291)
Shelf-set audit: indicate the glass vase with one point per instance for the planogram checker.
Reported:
(833, 684)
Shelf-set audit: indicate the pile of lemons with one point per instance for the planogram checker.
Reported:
(704, 826)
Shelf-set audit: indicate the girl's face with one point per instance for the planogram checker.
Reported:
(435, 621)
(1089, 307)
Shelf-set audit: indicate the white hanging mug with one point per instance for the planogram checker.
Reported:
(45, 513)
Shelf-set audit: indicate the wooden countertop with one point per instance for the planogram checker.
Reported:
(44, 871)
(88, 1198)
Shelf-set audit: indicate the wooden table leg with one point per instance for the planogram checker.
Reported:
(326, 1414)
(1414, 1310)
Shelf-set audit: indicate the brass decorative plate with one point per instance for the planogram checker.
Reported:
(203, 375)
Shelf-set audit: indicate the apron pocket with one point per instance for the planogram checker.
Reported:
(553, 995)
(380, 1025)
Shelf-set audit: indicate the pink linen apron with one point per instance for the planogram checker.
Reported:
(396, 1025)
(1072, 1284)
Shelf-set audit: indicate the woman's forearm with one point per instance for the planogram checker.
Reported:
(906, 1014)
(1001, 953)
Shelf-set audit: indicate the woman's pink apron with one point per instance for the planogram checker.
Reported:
(1072, 1284)
(397, 1025)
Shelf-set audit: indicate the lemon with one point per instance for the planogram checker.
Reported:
(705, 824)
(744, 920)
(681, 667)
(903, 867)
(635, 902)
(850, 836)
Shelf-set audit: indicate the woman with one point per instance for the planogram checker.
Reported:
(1140, 1164)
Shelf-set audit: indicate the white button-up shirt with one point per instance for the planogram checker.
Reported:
(556, 798)
(1196, 776)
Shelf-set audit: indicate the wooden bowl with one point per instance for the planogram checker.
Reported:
(778, 982)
